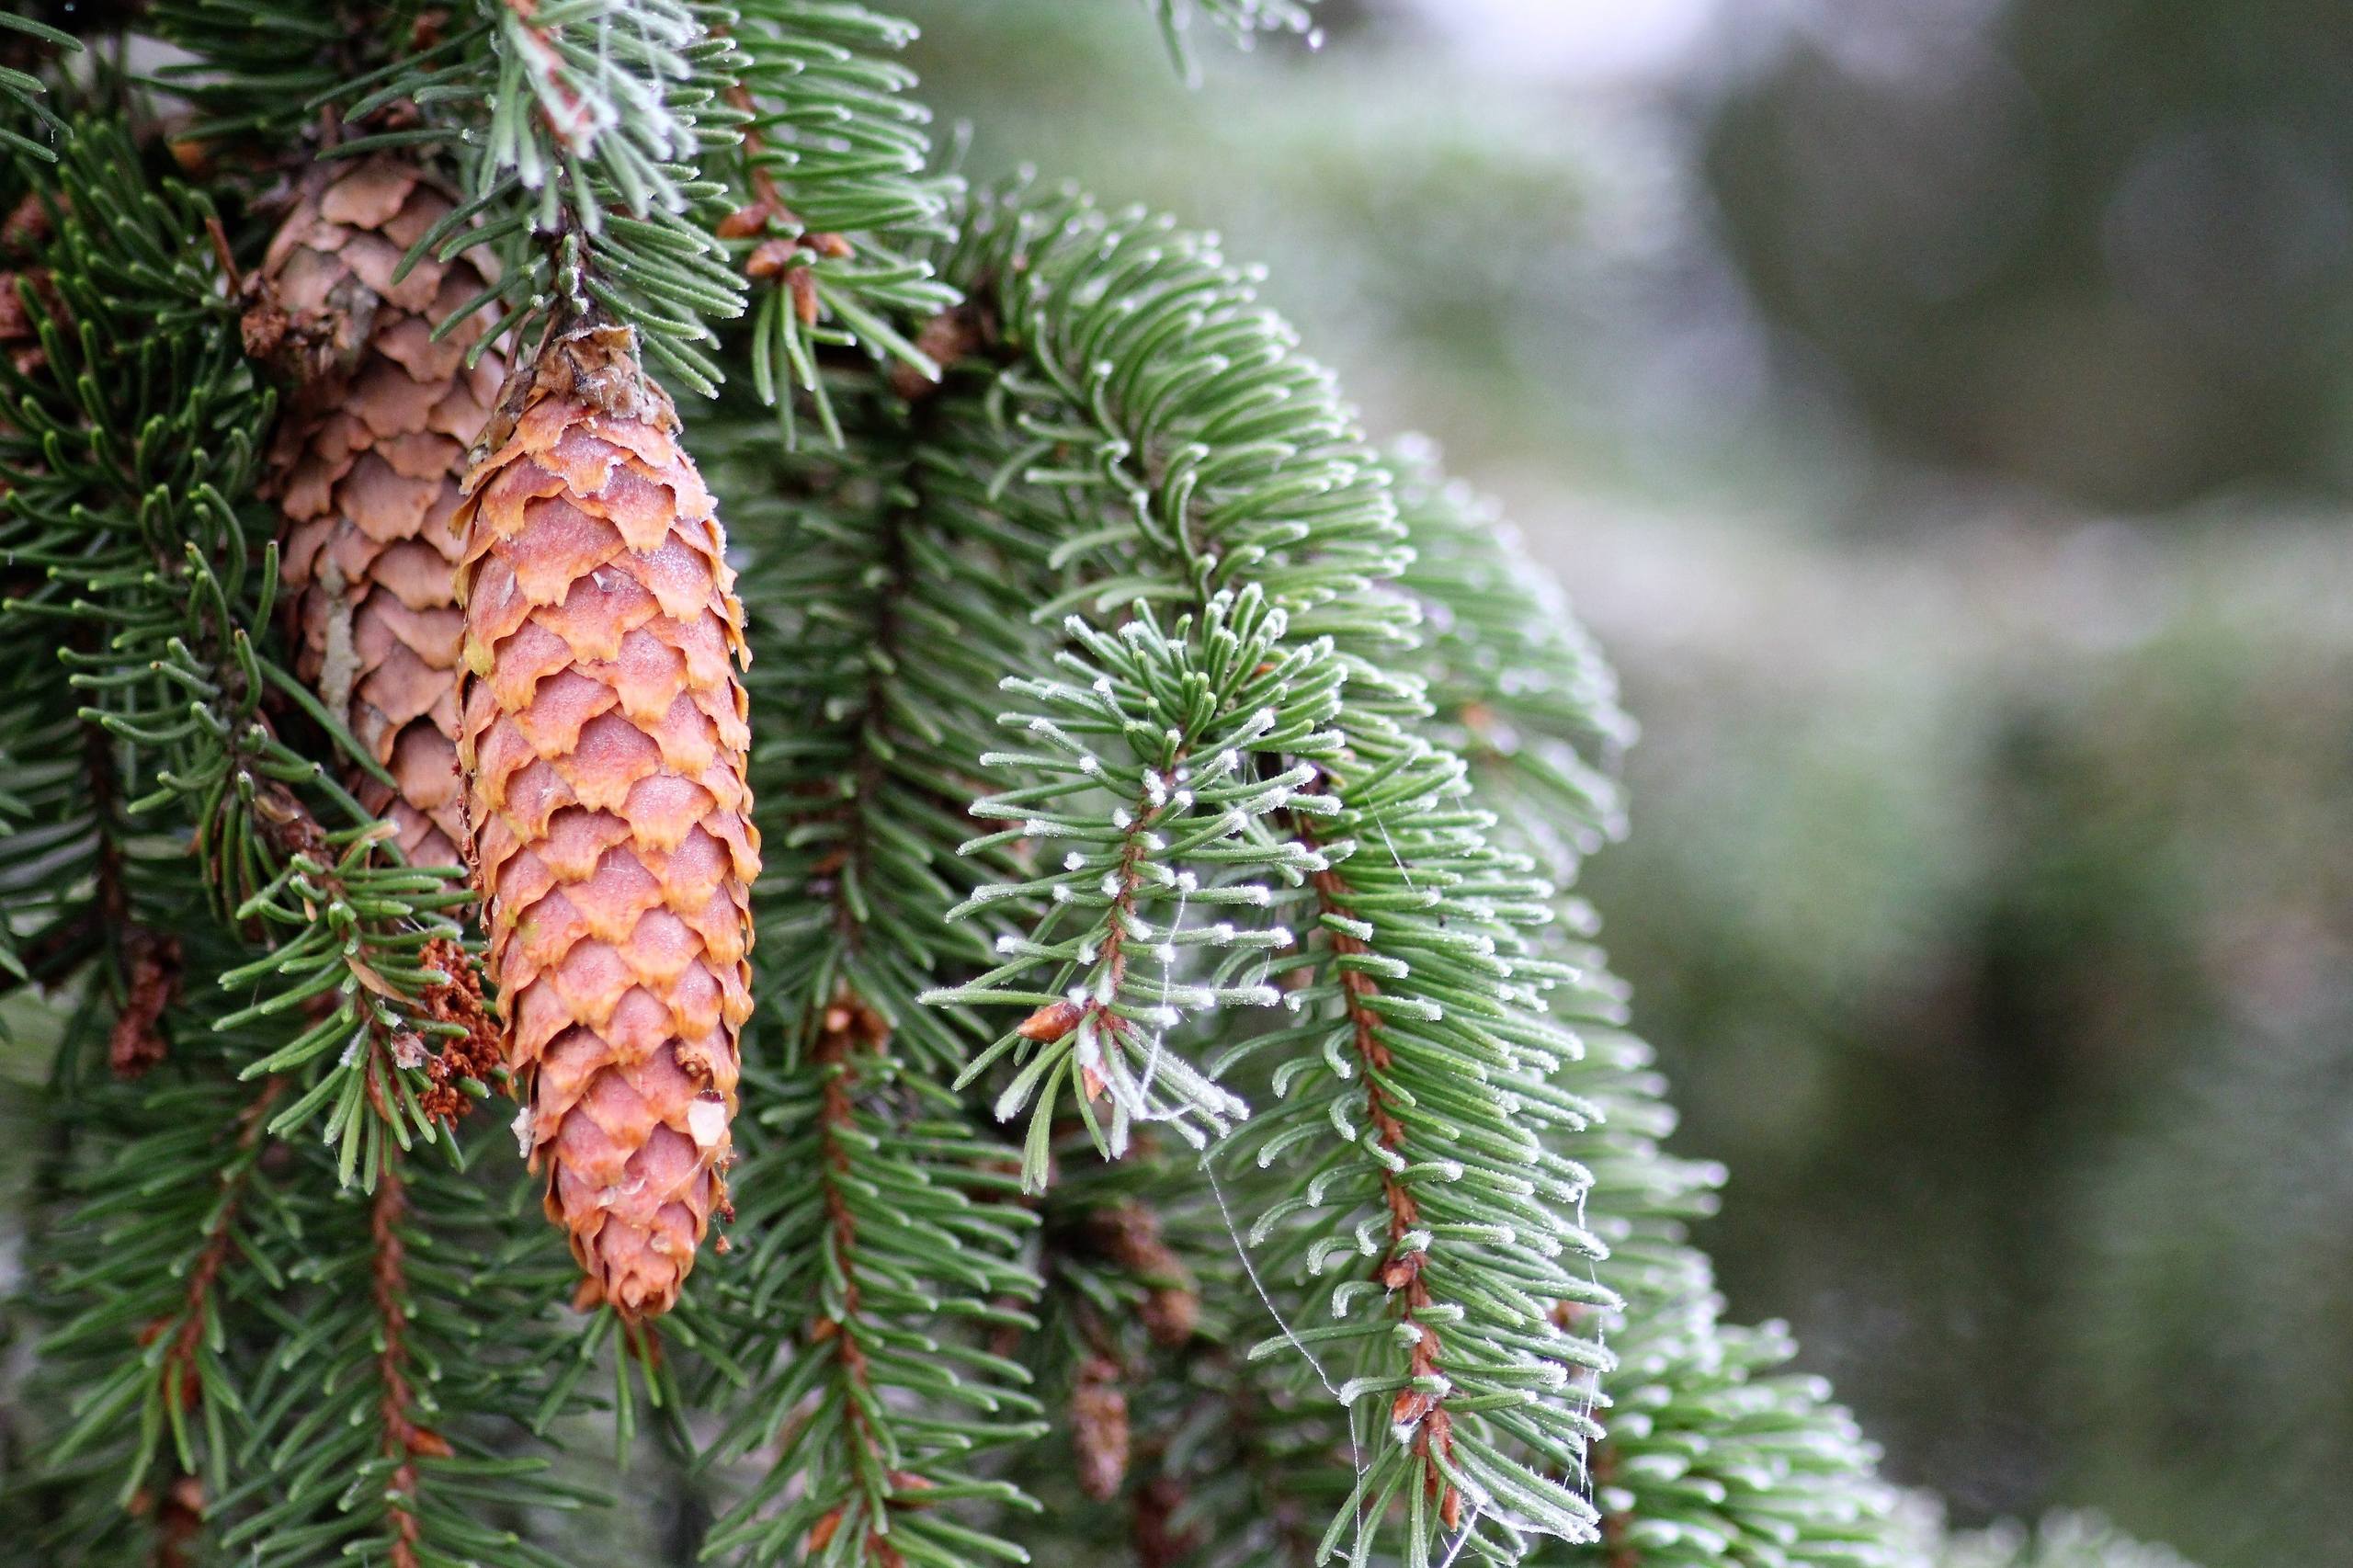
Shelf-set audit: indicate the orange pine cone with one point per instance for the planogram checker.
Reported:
(603, 740)
(368, 464)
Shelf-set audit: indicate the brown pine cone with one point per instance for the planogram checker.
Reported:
(367, 466)
(603, 739)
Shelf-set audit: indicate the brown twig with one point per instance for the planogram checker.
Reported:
(177, 1376)
(404, 1442)
(849, 1029)
(152, 967)
(1400, 1272)
(1058, 1017)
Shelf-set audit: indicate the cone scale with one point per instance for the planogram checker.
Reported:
(603, 736)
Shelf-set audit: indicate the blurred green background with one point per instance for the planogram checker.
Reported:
(1940, 410)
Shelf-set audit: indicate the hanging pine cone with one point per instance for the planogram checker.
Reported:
(368, 463)
(603, 738)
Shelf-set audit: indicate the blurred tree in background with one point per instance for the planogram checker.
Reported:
(2102, 245)
(1989, 890)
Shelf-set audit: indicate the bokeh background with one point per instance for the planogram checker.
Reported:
(1940, 409)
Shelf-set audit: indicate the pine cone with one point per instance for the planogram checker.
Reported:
(603, 740)
(368, 464)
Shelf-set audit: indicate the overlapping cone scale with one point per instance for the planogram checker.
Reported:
(603, 735)
(366, 469)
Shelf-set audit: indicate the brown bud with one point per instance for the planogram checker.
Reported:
(430, 1445)
(1170, 1316)
(769, 257)
(26, 227)
(1098, 1427)
(747, 221)
(1051, 1021)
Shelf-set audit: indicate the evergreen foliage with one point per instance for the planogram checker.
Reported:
(1185, 1118)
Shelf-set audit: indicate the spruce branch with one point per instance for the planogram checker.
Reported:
(176, 1226)
(838, 196)
(1713, 1453)
(579, 132)
(1168, 426)
(1240, 20)
(897, 1251)
(859, 1323)
(21, 91)
(1148, 774)
(253, 74)
(2060, 1539)
(140, 517)
(662, 160)
(1520, 689)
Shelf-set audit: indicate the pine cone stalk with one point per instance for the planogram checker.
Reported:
(367, 466)
(603, 738)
